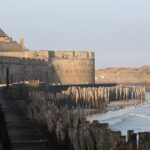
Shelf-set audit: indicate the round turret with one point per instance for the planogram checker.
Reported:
(73, 67)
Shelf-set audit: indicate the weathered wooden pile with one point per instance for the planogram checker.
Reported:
(69, 130)
(95, 98)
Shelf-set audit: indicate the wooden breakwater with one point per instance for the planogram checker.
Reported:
(72, 131)
(91, 97)
(145, 84)
(133, 141)
(69, 130)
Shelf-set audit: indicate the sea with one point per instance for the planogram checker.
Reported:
(135, 118)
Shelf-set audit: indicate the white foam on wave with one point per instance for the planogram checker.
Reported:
(109, 115)
(140, 115)
(113, 120)
(131, 118)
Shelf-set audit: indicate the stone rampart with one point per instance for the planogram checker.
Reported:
(74, 67)
(57, 67)
(73, 55)
(27, 54)
(23, 69)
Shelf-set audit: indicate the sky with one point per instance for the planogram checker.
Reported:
(118, 31)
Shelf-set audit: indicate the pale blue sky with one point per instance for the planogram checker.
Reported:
(118, 31)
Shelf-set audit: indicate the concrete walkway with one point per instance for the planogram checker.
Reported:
(23, 134)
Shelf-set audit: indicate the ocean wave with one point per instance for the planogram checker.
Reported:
(140, 115)
(113, 121)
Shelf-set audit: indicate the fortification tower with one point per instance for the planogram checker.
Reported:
(70, 67)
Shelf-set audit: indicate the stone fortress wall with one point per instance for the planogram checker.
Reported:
(5, 39)
(23, 69)
(74, 67)
(56, 67)
(27, 54)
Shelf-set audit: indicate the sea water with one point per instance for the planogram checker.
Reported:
(135, 118)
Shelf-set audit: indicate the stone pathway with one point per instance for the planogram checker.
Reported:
(23, 134)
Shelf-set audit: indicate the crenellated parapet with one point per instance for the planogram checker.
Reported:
(73, 67)
(45, 54)
(72, 55)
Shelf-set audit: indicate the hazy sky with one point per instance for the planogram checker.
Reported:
(118, 31)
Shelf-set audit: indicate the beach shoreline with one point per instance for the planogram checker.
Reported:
(115, 106)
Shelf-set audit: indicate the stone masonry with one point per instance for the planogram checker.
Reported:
(55, 67)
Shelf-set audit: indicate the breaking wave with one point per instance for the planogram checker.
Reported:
(131, 118)
(140, 115)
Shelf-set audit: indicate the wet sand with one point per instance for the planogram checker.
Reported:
(117, 105)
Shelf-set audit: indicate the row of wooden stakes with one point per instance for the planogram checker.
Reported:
(95, 98)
